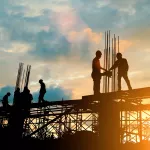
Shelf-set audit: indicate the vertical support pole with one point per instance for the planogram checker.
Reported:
(121, 123)
(112, 64)
(140, 123)
(21, 89)
(109, 127)
(19, 75)
(118, 44)
(114, 61)
(107, 64)
(109, 59)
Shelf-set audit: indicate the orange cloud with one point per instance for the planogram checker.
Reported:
(79, 87)
(1, 85)
(124, 45)
(86, 33)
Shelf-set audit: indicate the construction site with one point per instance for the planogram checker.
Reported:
(111, 120)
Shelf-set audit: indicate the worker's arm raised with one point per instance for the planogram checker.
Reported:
(103, 69)
(114, 66)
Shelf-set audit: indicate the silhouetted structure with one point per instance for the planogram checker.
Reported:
(26, 98)
(42, 91)
(123, 67)
(108, 117)
(22, 81)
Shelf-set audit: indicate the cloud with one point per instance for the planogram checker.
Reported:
(124, 6)
(50, 45)
(80, 86)
(140, 79)
(59, 39)
(55, 94)
(85, 34)
(17, 47)
(124, 45)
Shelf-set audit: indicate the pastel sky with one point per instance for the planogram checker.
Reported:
(59, 38)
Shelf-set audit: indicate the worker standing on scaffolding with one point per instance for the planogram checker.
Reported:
(5, 101)
(96, 72)
(123, 67)
(42, 91)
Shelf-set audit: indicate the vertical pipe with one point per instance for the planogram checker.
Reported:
(112, 86)
(118, 44)
(107, 63)
(22, 81)
(28, 75)
(116, 68)
(104, 64)
(104, 76)
(109, 59)
(114, 61)
(140, 123)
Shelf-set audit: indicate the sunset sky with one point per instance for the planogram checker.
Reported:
(59, 38)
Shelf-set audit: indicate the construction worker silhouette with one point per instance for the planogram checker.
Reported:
(5, 101)
(123, 68)
(42, 91)
(17, 96)
(96, 72)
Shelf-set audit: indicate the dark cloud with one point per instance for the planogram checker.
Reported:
(97, 18)
(46, 45)
(19, 26)
(50, 45)
(119, 16)
(54, 94)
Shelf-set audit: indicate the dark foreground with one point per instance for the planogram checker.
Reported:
(78, 141)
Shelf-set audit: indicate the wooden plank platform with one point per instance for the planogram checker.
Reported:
(141, 93)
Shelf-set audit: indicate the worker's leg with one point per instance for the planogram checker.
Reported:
(96, 82)
(43, 96)
(96, 85)
(125, 76)
(4, 105)
(40, 98)
(119, 82)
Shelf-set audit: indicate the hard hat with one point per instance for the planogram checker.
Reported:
(98, 52)
(40, 80)
(119, 54)
(8, 93)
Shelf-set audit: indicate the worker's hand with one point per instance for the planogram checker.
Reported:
(109, 74)
(104, 69)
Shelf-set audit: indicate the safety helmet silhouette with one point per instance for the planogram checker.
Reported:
(40, 80)
(98, 53)
(8, 93)
(119, 55)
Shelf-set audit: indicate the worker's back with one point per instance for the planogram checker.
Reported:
(43, 88)
(5, 99)
(122, 65)
(96, 65)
